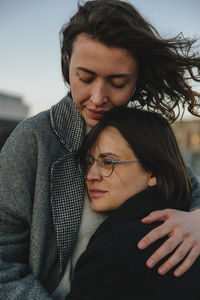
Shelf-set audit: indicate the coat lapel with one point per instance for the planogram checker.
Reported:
(67, 182)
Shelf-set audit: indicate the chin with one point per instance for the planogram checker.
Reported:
(92, 123)
(102, 209)
(99, 208)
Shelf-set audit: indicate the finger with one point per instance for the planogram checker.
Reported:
(188, 262)
(174, 259)
(154, 235)
(158, 215)
(166, 248)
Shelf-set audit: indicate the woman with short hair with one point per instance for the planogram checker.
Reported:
(133, 166)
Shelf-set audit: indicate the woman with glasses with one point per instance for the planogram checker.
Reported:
(110, 56)
(133, 166)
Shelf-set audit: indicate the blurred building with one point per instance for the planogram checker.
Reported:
(188, 137)
(12, 111)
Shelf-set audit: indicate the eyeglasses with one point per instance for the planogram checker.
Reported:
(105, 163)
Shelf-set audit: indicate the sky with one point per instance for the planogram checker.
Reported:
(30, 47)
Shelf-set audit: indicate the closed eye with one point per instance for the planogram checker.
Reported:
(86, 80)
(84, 75)
(121, 86)
(107, 162)
(119, 81)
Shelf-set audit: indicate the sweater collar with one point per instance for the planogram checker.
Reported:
(68, 124)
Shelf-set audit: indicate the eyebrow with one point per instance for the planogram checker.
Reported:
(110, 154)
(121, 75)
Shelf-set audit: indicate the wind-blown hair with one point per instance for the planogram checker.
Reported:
(165, 65)
(153, 142)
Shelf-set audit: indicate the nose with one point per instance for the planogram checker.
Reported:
(93, 173)
(99, 93)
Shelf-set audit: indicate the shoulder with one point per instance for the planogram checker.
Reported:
(33, 138)
(40, 123)
(33, 129)
(123, 239)
(35, 123)
(128, 232)
(27, 131)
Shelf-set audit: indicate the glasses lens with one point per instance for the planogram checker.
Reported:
(105, 165)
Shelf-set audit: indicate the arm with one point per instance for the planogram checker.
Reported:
(17, 175)
(183, 229)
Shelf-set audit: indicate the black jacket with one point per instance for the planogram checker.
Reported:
(112, 267)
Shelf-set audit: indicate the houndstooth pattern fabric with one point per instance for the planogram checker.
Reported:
(67, 203)
(67, 182)
(68, 124)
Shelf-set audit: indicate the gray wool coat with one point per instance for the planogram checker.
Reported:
(41, 201)
(41, 189)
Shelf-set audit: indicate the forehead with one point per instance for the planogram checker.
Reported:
(91, 53)
(110, 140)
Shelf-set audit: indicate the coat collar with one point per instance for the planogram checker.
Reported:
(135, 207)
(67, 181)
(68, 124)
(140, 204)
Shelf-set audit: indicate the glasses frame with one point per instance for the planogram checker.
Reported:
(113, 162)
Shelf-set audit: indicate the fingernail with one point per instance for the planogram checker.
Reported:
(150, 263)
(162, 270)
(141, 245)
(177, 273)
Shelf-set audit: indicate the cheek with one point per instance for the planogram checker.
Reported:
(80, 93)
(75, 87)
(77, 93)
(138, 183)
(118, 193)
(121, 98)
(128, 186)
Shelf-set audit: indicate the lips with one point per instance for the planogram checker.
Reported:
(96, 114)
(93, 193)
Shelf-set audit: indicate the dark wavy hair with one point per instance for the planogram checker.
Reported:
(165, 65)
(153, 142)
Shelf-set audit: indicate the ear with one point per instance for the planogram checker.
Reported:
(67, 58)
(152, 180)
